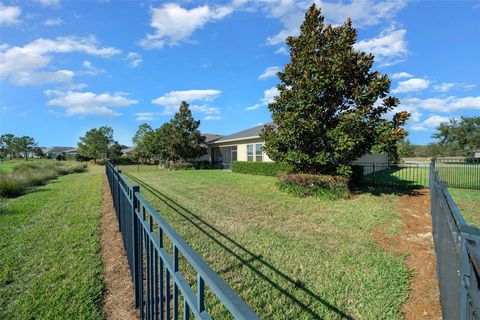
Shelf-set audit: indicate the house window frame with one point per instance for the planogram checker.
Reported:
(257, 150)
(250, 156)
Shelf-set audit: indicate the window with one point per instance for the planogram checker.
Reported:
(258, 152)
(249, 152)
(234, 153)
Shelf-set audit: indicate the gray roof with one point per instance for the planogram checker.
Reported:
(245, 134)
(210, 137)
(57, 149)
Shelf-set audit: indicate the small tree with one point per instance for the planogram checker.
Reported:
(7, 145)
(326, 114)
(95, 143)
(142, 141)
(187, 141)
(460, 135)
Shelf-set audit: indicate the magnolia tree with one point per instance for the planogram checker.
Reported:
(331, 107)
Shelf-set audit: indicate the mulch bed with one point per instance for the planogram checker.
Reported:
(118, 298)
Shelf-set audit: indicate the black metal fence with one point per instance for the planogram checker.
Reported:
(457, 247)
(154, 251)
(456, 173)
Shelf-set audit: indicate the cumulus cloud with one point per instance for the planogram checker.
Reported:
(53, 22)
(443, 87)
(430, 123)
(171, 100)
(90, 69)
(38, 78)
(88, 103)
(414, 84)
(447, 105)
(270, 72)
(362, 12)
(268, 97)
(208, 118)
(49, 3)
(401, 75)
(144, 116)
(389, 47)
(174, 24)
(9, 14)
(135, 59)
(22, 62)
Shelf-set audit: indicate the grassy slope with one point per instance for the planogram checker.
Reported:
(288, 258)
(49, 251)
(468, 202)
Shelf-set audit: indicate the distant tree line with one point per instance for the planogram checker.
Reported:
(14, 147)
(454, 138)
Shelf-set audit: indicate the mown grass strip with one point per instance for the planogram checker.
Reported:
(49, 251)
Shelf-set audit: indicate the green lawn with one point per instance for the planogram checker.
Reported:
(287, 257)
(49, 251)
(468, 202)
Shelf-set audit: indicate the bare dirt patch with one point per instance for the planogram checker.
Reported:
(118, 298)
(416, 240)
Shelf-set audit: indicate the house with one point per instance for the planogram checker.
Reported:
(53, 152)
(127, 151)
(247, 145)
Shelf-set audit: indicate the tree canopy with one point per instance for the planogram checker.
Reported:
(330, 108)
(10, 145)
(462, 134)
(96, 143)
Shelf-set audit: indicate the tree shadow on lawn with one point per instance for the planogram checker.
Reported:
(386, 183)
(198, 222)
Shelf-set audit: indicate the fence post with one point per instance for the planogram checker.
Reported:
(136, 254)
(119, 202)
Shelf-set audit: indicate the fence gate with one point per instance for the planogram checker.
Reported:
(154, 251)
(457, 247)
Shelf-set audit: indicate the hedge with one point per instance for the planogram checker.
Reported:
(317, 185)
(260, 168)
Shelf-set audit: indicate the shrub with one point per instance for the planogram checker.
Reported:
(317, 185)
(205, 164)
(181, 166)
(12, 186)
(260, 168)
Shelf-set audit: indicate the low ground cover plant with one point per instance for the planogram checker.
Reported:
(27, 175)
(316, 185)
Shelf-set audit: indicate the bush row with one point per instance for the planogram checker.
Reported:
(271, 169)
(316, 185)
(27, 175)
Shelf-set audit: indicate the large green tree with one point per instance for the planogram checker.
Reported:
(462, 134)
(330, 108)
(25, 145)
(7, 145)
(96, 143)
(142, 140)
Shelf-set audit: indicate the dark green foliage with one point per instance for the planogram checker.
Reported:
(357, 175)
(463, 134)
(326, 114)
(181, 166)
(13, 146)
(316, 185)
(204, 164)
(260, 168)
(96, 143)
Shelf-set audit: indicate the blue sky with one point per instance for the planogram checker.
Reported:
(68, 66)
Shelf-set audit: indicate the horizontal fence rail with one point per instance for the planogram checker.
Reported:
(457, 247)
(162, 290)
(455, 173)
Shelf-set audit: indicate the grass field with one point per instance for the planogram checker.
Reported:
(49, 251)
(468, 202)
(287, 257)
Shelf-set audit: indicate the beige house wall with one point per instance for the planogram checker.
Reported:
(242, 148)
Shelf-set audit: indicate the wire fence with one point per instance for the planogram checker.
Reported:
(457, 247)
(155, 253)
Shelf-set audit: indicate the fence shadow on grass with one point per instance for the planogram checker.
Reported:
(202, 224)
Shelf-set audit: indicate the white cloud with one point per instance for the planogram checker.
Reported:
(88, 103)
(430, 123)
(144, 116)
(282, 50)
(38, 78)
(447, 105)
(174, 24)
(49, 3)
(90, 69)
(389, 47)
(135, 59)
(9, 14)
(212, 118)
(268, 97)
(22, 62)
(401, 75)
(205, 109)
(53, 22)
(443, 87)
(171, 100)
(414, 84)
(469, 86)
(270, 72)
(363, 13)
